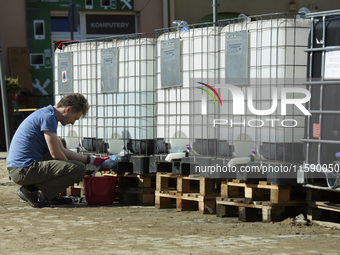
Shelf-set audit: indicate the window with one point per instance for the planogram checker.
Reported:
(60, 24)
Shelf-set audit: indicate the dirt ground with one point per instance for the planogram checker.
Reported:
(117, 229)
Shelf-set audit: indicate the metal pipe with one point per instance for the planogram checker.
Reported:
(320, 141)
(172, 10)
(71, 18)
(321, 86)
(324, 112)
(4, 102)
(165, 13)
(238, 161)
(321, 82)
(319, 14)
(215, 5)
(328, 48)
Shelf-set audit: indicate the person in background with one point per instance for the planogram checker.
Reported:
(37, 159)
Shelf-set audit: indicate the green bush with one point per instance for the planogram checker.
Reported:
(12, 84)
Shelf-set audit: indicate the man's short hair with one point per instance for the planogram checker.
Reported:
(77, 101)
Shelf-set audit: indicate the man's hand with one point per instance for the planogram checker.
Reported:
(99, 160)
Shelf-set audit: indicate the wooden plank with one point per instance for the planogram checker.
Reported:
(313, 213)
(327, 224)
(162, 202)
(266, 214)
(75, 191)
(206, 186)
(183, 205)
(248, 214)
(325, 205)
(183, 185)
(26, 110)
(232, 203)
(237, 181)
(274, 196)
(281, 193)
(248, 193)
(263, 183)
(20, 66)
(224, 188)
(160, 194)
(221, 210)
(192, 177)
(236, 184)
(162, 182)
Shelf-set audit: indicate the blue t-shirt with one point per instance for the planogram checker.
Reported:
(28, 143)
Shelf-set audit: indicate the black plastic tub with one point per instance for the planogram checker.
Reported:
(162, 146)
(141, 146)
(285, 152)
(212, 147)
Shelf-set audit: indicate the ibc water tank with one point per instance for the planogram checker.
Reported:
(271, 55)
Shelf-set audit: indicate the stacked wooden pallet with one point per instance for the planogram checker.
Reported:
(136, 189)
(258, 200)
(75, 190)
(323, 204)
(185, 192)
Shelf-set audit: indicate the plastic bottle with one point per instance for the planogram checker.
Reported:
(176, 148)
(302, 12)
(110, 162)
(184, 26)
(180, 25)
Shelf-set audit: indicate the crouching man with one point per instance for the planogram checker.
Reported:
(38, 161)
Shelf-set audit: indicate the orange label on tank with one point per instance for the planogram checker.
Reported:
(316, 130)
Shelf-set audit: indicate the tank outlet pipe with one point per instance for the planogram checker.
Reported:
(241, 160)
(177, 155)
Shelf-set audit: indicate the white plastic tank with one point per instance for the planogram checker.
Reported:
(129, 112)
(199, 49)
(276, 58)
(84, 55)
(114, 116)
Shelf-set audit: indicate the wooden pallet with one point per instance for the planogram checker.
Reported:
(76, 190)
(258, 200)
(186, 192)
(260, 191)
(257, 210)
(136, 189)
(323, 204)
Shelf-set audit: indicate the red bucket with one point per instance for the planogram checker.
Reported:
(100, 190)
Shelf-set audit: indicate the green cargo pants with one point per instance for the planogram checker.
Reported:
(50, 176)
